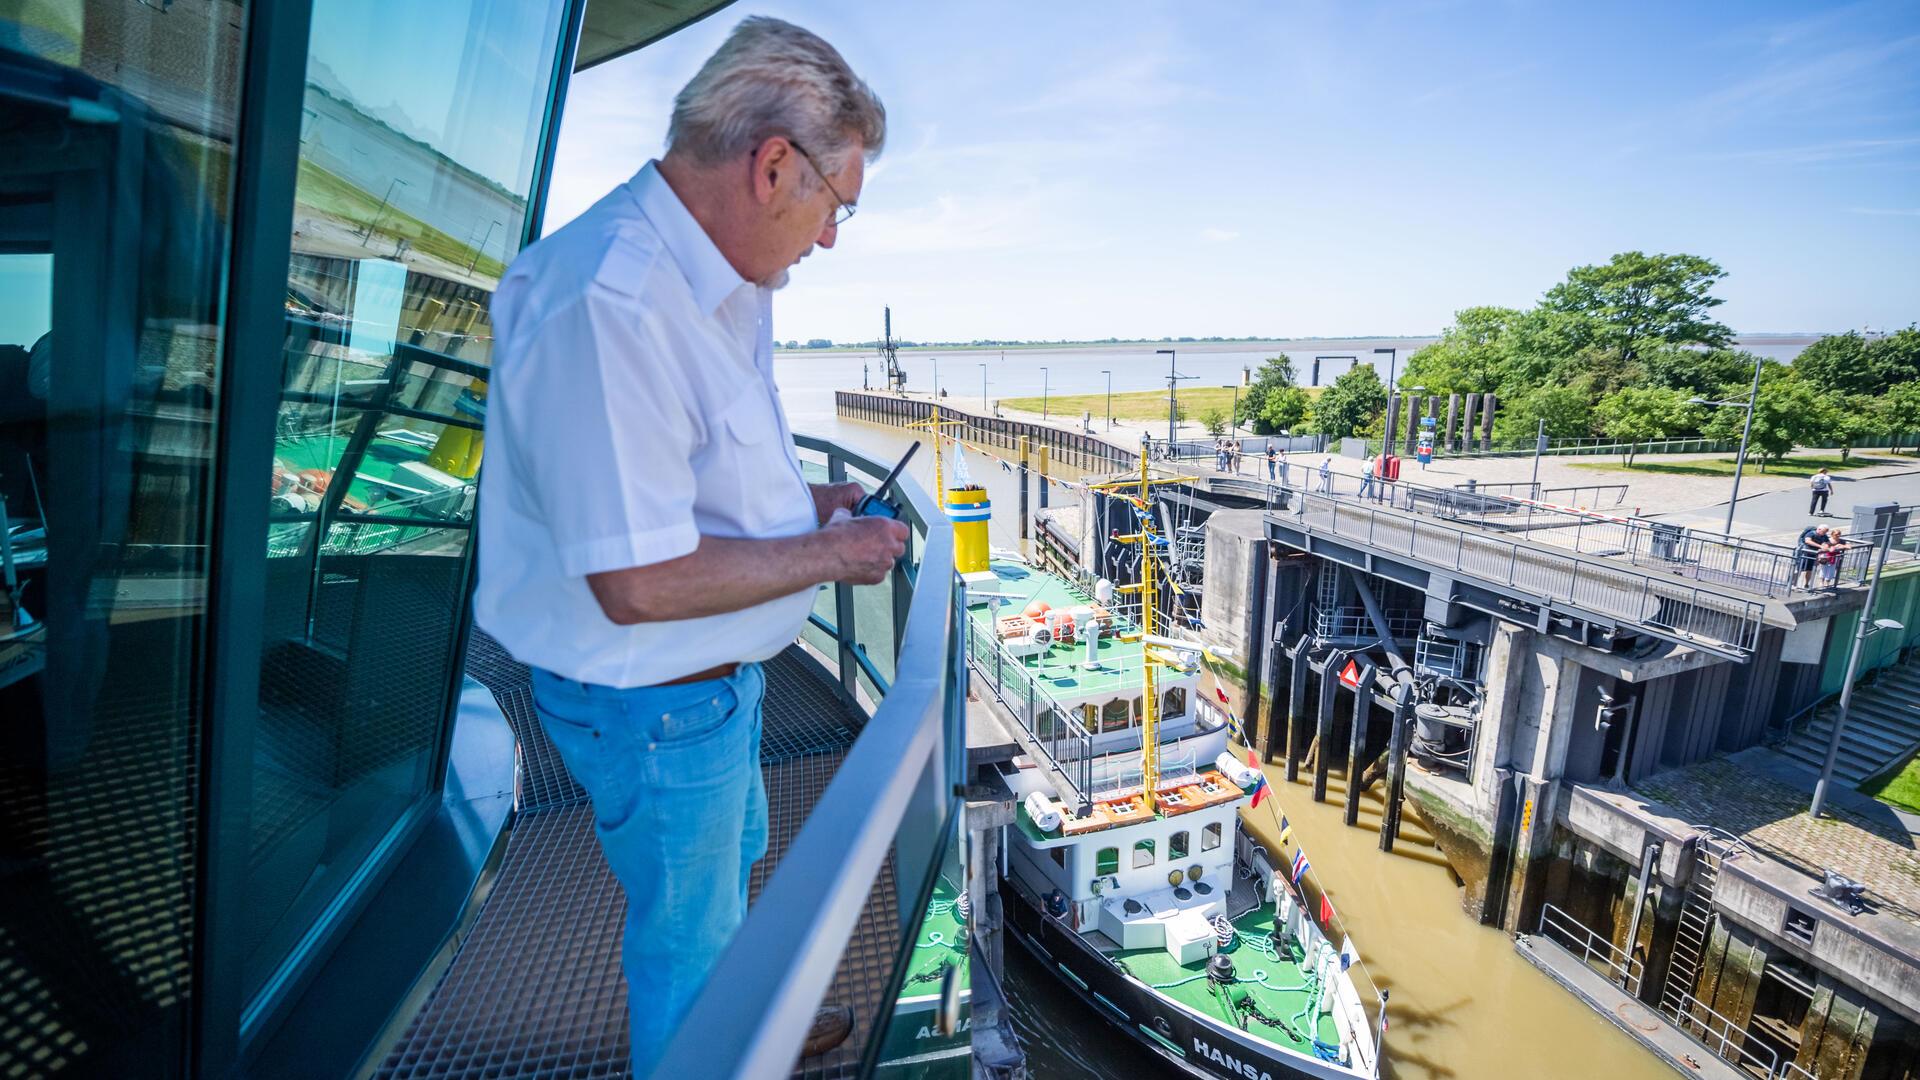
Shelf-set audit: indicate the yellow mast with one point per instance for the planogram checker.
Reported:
(1149, 620)
(933, 424)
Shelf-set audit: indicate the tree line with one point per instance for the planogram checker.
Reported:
(1626, 350)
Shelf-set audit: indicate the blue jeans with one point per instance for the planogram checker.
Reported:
(680, 807)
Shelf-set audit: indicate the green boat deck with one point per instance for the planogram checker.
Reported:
(1059, 670)
(382, 462)
(1275, 987)
(942, 943)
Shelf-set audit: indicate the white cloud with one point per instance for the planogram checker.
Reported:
(1214, 235)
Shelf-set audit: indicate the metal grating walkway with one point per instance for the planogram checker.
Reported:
(535, 988)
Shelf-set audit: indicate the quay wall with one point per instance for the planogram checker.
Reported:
(1066, 449)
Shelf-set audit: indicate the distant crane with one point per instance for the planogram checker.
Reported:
(890, 352)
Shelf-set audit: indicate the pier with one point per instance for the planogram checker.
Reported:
(1070, 449)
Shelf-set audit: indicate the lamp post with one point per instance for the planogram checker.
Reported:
(1393, 363)
(488, 235)
(936, 378)
(1746, 431)
(1109, 374)
(1868, 625)
(983, 390)
(1043, 393)
(1172, 403)
(1233, 418)
(382, 212)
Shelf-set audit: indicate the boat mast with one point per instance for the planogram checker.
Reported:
(1141, 497)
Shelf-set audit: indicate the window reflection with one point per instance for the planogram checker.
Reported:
(115, 128)
(418, 137)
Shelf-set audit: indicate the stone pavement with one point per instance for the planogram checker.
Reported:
(1750, 795)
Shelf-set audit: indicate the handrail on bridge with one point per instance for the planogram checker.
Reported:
(1626, 969)
(892, 794)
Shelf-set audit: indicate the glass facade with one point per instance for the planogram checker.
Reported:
(116, 125)
(421, 129)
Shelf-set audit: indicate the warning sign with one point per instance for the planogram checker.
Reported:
(1350, 675)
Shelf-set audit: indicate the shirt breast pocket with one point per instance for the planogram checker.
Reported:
(759, 489)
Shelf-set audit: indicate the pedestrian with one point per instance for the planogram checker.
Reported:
(1367, 484)
(1233, 456)
(1283, 467)
(1326, 475)
(1273, 462)
(1220, 455)
(648, 536)
(1822, 484)
(1806, 553)
(1830, 556)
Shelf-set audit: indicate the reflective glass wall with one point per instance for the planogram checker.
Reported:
(419, 133)
(116, 156)
(420, 126)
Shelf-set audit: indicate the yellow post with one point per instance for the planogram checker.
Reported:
(969, 511)
(457, 451)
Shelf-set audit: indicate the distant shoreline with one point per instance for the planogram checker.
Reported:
(1405, 344)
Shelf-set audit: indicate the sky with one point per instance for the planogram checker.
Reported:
(1086, 170)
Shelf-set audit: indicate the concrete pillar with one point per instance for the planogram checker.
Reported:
(1453, 418)
(1393, 415)
(1469, 407)
(1413, 421)
(1486, 421)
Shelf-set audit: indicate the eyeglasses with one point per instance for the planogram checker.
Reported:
(844, 209)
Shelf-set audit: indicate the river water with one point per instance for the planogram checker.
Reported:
(1464, 1004)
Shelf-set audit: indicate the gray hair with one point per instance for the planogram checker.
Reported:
(774, 78)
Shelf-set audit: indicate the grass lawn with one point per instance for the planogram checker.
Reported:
(1794, 466)
(325, 193)
(1136, 404)
(1900, 788)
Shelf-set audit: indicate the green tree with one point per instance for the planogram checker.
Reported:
(1838, 364)
(1696, 371)
(1568, 411)
(1215, 421)
(1284, 409)
(1857, 419)
(1351, 403)
(1637, 301)
(1899, 411)
(1471, 356)
(1276, 375)
(1791, 412)
(1637, 414)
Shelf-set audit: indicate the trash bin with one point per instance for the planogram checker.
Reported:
(1669, 541)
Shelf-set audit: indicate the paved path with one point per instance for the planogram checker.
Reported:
(1752, 795)
(1784, 513)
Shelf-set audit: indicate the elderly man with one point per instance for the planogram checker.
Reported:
(647, 535)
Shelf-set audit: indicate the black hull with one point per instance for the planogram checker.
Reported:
(1186, 1044)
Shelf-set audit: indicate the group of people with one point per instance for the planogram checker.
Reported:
(1226, 455)
(1820, 548)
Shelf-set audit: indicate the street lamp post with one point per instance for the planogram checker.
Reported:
(1746, 432)
(1172, 402)
(1233, 419)
(936, 378)
(1393, 363)
(983, 390)
(1867, 626)
(1043, 393)
(1109, 374)
(382, 212)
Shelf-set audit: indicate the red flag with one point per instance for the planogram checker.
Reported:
(1221, 694)
(1260, 792)
(1326, 910)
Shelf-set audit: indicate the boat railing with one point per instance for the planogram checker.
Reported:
(1622, 968)
(1054, 729)
(898, 648)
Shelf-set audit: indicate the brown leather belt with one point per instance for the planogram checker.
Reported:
(719, 672)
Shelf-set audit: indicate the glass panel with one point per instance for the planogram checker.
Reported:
(1210, 837)
(1106, 861)
(1177, 845)
(1142, 853)
(115, 126)
(418, 138)
(927, 1035)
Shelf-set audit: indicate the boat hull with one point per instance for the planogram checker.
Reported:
(1190, 1044)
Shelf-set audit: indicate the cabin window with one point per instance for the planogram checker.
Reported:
(1106, 861)
(1114, 717)
(1177, 845)
(1210, 837)
(1142, 854)
(1059, 857)
(1173, 703)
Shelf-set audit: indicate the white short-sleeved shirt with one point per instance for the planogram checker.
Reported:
(631, 410)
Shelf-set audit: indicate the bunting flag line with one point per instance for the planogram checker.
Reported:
(1286, 829)
(1300, 865)
(1326, 910)
(1260, 783)
(1006, 466)
(960, 472)
(1221, 694)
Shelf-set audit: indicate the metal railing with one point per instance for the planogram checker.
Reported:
(1727, 1040)
(1331, 623)
(892, 796)
(1055, 729)
(1623, 968)
(1706, 617)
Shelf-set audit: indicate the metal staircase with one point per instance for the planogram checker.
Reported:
(1696, 924)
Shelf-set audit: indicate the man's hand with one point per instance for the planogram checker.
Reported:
(864, 549)
(827, 498)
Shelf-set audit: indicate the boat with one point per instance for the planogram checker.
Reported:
(1130, 873)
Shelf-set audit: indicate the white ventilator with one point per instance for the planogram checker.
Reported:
(1045, 815)
(1090, 633)
(1103, 592)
